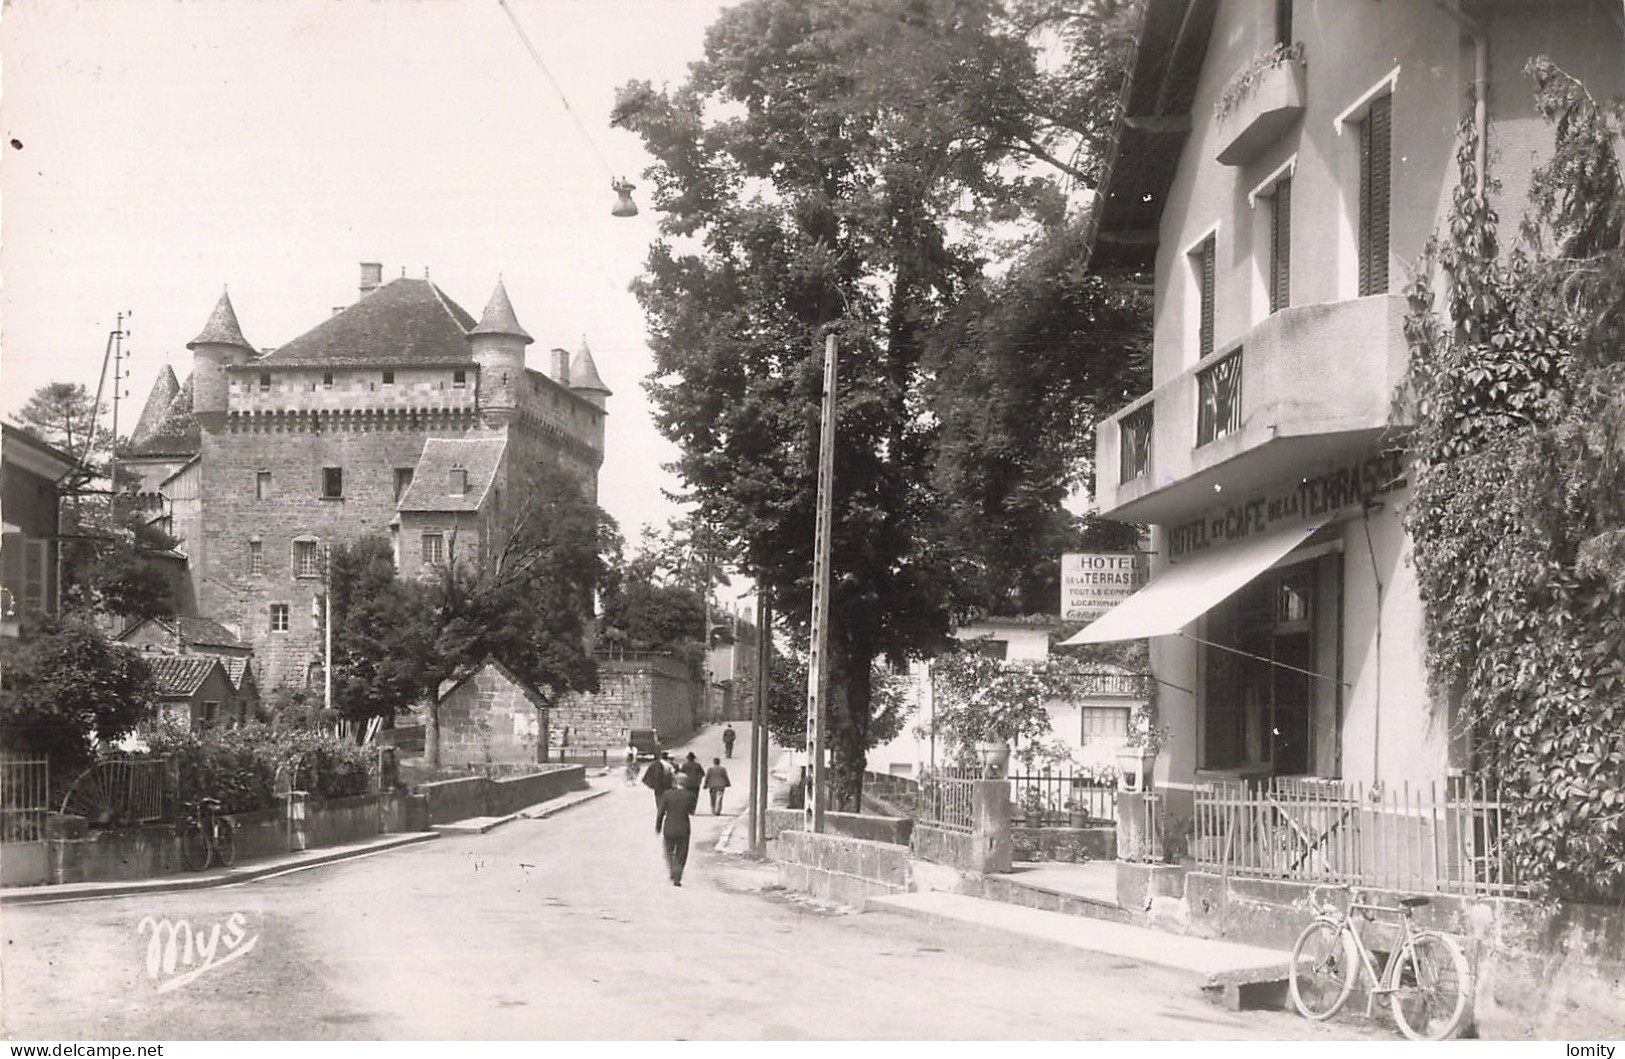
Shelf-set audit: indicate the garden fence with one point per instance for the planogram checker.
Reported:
(948, 798)
(118, 791)
(25, 799)
(1051, 795)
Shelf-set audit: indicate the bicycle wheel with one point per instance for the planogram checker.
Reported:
(225, 842)
(194, 845)
(1322, 972)
(1431, 988)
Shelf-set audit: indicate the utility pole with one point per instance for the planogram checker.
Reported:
(818, 662)
(758, 718)
(119, 375)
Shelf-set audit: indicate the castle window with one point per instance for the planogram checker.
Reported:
(458, 485)
(434, 549)
(327, 380)
(256, 557)
(307, 558)
(389, 378)
(262, 485)
(265, 381)
(332, 483)
(403, 482)
(459, 378)
(279, 617)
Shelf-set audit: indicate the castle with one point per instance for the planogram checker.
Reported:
(399, 415)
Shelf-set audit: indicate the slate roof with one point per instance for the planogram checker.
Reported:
(499, 318)
(237, 669)
(405, 322)
(179, 676)
(584, 373)
(222, 328)
(430, 489)
(158, 401)
(530, 693)
(194, 632)
(177, 433)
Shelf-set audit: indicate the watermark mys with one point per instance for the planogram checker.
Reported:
(177, 954)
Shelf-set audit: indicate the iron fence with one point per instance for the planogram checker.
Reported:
(1439, 837)
(1218, 399)
(25, 799)
(1134, 432)
(947, 798)
(122, 790)
(1052, 796)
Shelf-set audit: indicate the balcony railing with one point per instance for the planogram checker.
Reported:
(1218, 399)
(1135, 451)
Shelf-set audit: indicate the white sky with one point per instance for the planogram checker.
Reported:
(171, 148)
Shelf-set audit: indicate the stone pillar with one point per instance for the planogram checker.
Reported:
(990, 825)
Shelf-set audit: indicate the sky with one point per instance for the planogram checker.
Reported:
(158, 151)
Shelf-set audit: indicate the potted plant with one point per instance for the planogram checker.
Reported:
(1033, 806)
(1145, 740)
(1077, 813)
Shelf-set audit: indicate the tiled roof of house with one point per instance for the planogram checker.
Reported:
(194, 632)
(237, 669)
(177, 433)
(179, 676)
(431, 479)
(499, 318)
(405, 322)
(222, 328)
(159, 398)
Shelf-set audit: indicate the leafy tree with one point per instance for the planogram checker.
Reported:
(383, 632)
(66, 688)
(64, 415)
(116, 564)
(833, 167)
(643, 615)
(1518, 521)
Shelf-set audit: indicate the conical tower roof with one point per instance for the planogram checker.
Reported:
(222, 328)
(158, 401)
(499, 318)
(584, 373)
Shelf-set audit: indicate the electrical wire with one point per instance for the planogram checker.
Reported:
(534, 54)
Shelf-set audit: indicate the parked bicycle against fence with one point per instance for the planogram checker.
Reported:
(1426, 978)
(206, 836)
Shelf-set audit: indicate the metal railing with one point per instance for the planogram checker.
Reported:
(1134, 444)
(578, 755)
(25, 799)
(948, 798)
(1218, 399)
(1051, 796)
(117, 791)
(1442, 837)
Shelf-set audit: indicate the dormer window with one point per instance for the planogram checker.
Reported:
(458, 481)
(459, 378)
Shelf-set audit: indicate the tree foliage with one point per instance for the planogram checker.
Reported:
(1519, 514)
(383, 632)
(832, 167)
(66, 688)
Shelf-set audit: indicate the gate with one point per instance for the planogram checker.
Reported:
(25, 799)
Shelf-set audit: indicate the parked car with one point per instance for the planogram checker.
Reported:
(646, 741)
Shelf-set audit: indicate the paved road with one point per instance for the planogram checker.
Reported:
(568, 928)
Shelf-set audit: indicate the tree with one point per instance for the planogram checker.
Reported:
(833, 167)
(117, 565)
(64, 415)
(66, 688)
(383, 632)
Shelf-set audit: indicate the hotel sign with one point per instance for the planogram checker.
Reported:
(1315, 496)
(1094, 582)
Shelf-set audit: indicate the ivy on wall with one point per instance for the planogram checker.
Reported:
(1518, 522)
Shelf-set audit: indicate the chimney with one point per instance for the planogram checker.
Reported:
(561, 367)
(372, 274)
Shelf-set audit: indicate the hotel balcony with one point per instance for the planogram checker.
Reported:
(1308, 386)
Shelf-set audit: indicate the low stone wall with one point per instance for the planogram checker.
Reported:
(459, 799)
(1072, 845)
(977, 852)
(891, 829)
(1540, 970)
(838, 868)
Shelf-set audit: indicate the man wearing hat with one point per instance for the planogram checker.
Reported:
(677, 807)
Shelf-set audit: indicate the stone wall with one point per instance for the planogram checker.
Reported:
(839, 868)
(1067, 844)
(459, 799)
(893, 830)
(489, 720)
(646, 693)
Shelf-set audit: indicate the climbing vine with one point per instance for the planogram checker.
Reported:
(1518, 523)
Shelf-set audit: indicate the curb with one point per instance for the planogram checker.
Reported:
(35, 895)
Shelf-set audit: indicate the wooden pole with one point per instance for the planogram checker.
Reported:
(759, 741)
(818, 663)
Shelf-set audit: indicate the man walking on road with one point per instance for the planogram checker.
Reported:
(677, 806)
(728, 738)
(657, 779)
(716, 781)
(695, 772)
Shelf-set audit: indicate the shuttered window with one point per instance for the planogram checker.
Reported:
(1375, 169)
(1281, 246)
(1204, 273)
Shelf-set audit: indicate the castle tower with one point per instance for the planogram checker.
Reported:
(220, 345)
(498, 345)
(584, 379)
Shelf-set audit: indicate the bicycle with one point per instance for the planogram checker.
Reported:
(206, 836)
(1426, 977)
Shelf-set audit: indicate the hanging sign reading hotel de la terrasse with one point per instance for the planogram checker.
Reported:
(1094, 582)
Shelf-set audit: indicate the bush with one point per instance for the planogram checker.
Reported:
(238, 766)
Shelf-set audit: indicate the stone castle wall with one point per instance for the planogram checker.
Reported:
(656, 693)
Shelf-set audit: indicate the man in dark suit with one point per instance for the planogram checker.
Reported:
(677, 807)
(695, 771)
(658, 779)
